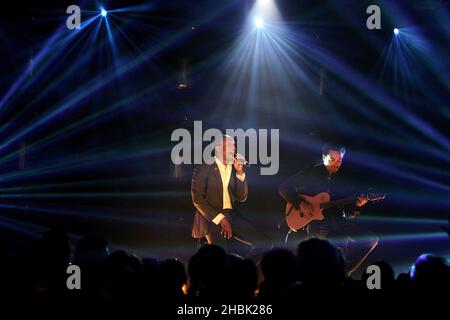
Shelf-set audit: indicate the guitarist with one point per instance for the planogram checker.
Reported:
(338, 222)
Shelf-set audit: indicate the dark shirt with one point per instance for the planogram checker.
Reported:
(314, 180)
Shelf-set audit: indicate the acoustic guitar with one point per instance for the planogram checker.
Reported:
(311, 208)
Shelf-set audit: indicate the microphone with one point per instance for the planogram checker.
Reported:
(241, 160)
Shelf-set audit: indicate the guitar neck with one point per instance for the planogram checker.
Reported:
(338, 203)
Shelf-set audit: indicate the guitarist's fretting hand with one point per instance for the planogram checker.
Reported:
(361, 201)
(226, 228)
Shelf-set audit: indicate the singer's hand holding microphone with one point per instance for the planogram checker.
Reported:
(239, 163)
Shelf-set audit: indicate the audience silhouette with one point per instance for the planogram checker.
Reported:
(213, 276)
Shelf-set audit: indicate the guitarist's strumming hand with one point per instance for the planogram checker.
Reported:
(307, 207)
(304, 205)
(226, 228)
(361, 201)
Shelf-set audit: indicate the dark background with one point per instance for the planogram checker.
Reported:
(102, 164)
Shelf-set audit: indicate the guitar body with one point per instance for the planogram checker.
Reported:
(309, 210)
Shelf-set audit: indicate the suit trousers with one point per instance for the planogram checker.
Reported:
(247, 240)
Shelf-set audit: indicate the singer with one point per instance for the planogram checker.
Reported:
(215, 190)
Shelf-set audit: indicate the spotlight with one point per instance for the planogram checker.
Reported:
(396, 31)
(259, 22)
(104, 13)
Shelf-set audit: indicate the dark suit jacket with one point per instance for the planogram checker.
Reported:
(207, 196)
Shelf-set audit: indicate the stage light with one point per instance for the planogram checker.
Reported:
(104, 13)
(259, 22)
(396, 31)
